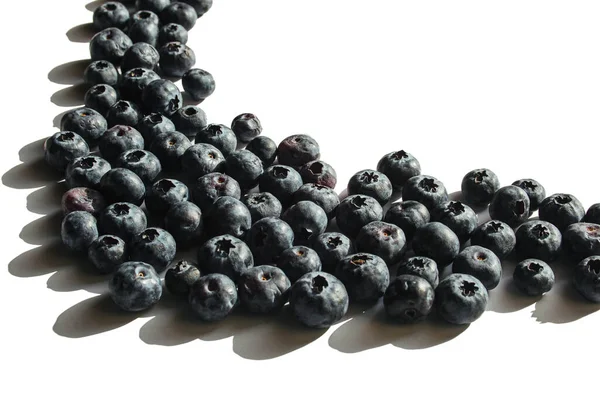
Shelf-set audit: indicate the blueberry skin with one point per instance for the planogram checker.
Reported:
(366, 276)
(481, 263)
(100, 98)
(323, 196)
(62, 148)
(332, 247)
(123, 112)
(176, 59)
(356, 211)
(180, 278)
(262, 205)
(399, 167)
(593, 214)
(510, 205)
(460, 299)
(457, 216)
(409, 216)
(561, 210)
(281, 181)
(144, 31)
(143, 15)
(172, 33)
(112, 14)
(307, 221)
(425, 189)
(134, 81)
(320, 173)
(165, 193)
(408, 299)
(86, 171)
(225, 255)
(135, 286)
(161, 96)
(201, 6)
(580, 240)
(212, 297)
(124, 220)
(141, 162)
(208, 188)
(156, 6)
(122, 185)
(107, 252)
(109, 44)
(535, 191)
(538, 239)
(586, 278)
(264, 148)
(154, 246)
(297, 261)
(533, 277)
(179, 13)
(318, 300)
(263, 289)
(101, 72)
(246, 127)
(190, 120)
(87, 123)
(423, 267)
(153, 125)
(268, 238)
(78, 230)
(83, 199)
(169, 147)
(436, 241)
(202, 159)
(382, 239)
(184, 222)
(371, 183)
(198, 83)
(119, 139)
(227, 216)
(496, 236)
(219, 136)
(478, 187)
(140, 55)
(297, 150)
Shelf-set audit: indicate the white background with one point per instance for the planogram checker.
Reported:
(508, 85)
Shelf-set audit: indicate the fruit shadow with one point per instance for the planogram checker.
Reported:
(71, 96)
(81, 33)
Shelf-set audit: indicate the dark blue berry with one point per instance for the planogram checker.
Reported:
(78, 230)
(100, 98)
(581, 240)
(425, 189)
(162, 96)
(297, 150)
(496, 236)
(141, 162)
(184, 222)
(109, 44)
(180, 278)
(176, 59)
(264, 148)
(297, 261)
(198, 83)
(423, 267)
(371, 183)
(225, 254)
(122, 185)
(87, 123)
(307, 220)
(356, 211)
(107, 252)
(457, 216)
(268, 238)
(135, 286)
(331, 248)
(262, 205)
(481, 263)
(408, 299)
(461, 299)
(112, 14)
(281, 181)
(201, 6)
(478, 187)
(212, 297)
(86, 171)
(409, 216)
(144, 15)
(201, 159)
(124, 112)
(154, 246)
(382, 239)
(246, 127)
(119, 139)
(320, 173)
(436, 241)
(153, 125)
(169, 147)
(538, 239)
(140, 55)
(124, 220)
(156, 6)
(535, 191)
(399, 167)
(144, 28)
(189, 120)
(208, 188)
(165, 193)
(365, 276)
(219, 136)
(227, 216)
(172, 33)
(179, 13)
(263, 289)
(134, 81)
(533, 277)
(586, 278)
(62, 148)
(593, 214)
(510, 205)
(83, 199)
(323, 196)
(561, 210)
(101, 72)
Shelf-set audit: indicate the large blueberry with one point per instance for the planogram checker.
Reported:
(399, 167)
(331, 248)
(581, 240)
(268, 238)
(496, 236)
(164, 194)
(169, 147)
(481, 263)
(86, 171)
(101, 72)
(409, 216)
(219, 136)
(110, 14)
(297, 261)
(198, 83)
(478, 187)
(356, 211)
(586, 278)
(593, 214)
(323, 196)
(436, 241)
(162, 96)
(154, 246)
(246, 127)
(86, 122)
(83, 199)
(78, 230)
(153, 125)
(227, 215)
(225, 255)
(208, 188)
(176, 58)
(180, 278)
(371, 183)
(510, 205)
(122, 185)
(561, 210)
(264, 148)
(533, 277)
(281, 181)
(461, 299)
(263, 289)
(119, 139)
(297, 150)
(201, 6)
(382, 239)
(179, 13)
(307, 221)
(124, 112)
(245, 167)
(135, 286)
(140, 55)
(189, 120)
(457, 216)
(109, 44)
(408, 299)
(172, 32)
(535, 191)
(107, 252)
(124, 220)
(424, 267)
(212, 297)
(365, 276)
(320, 173)
(134, 82)
(262, 205)
(100, 98)
(425, 189)
(538, 239)
(141, 162)
(184, 222)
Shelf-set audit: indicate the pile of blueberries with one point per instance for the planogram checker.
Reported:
(259, 215)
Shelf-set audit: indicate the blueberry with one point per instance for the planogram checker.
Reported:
(172, 33)
(87, 123)
(134, 81)
(319, 172)
(100, 98)
(198, 83)
(119, 139)
(124, 112)
(356, 211)
(262, 205)
(140, 55)
(365, 276)
(307, 221)
(538, 239)
(165, 193)
(323, 196)
(297, 150)
(581, 240)
(83, 199)
(201, 6)
(225, 255)
(331, 248)
(281, 181)
(179, 13)
(457, 216)
(263, 289)
(586, 278)
(153, 125)
(461, 299)
(496, 236)
(143, 15)
(408, 299)
(535, 191)
(141, 162)
(399, 167)
(264, 148)
(101, 72)
(180, 278)
(246, 127)
(409, 216)
(109, 44)
(201, 159)
(219, 136)
(86, 171)
(382, 239)
(156, 6)
(78, 230)
(478, 187)
(107, 252)
(122, 185)
(423, 267)
(593, 214)
(169, 147)
(190, 120)
(62, 148)
(154, 246)
(268, 238)
(425, 189)
(561, 210)
(318, 300)
(510, 205)
(184, 222)
(208, 188)
(162, 96)
(371, 183)
(227, 216)
(176, 59)
(112, 14)
(144, 28)
(481, 263)
(212, 297)
(436, 241)
(124, 220)
(135, 286)
(533, 277)
(297, 261)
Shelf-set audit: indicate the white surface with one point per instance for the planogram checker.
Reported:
(511, 85)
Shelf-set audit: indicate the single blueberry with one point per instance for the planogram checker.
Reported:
(496, 236)
(86, 171)
(246, 127)
(593, 214)
(184, 222)
(263, 289)
(561, 210)
(179, 13)
(144, 15)
(356, 211)
(119, 139)
(461, 299)
(297, 150)
(124, 220)
(331, 248)
(229, 216)
(87, 123)
(510, 205)
(262, 205)
(245, 167)
(365, 276)
(478, 187)
(307, 221)
(382, 239)
(112, 14)
(140, 55)
(409, 216)
(423, 267)
(133, 83)
(219, 136)
(156, 6)
(371, 183)
(109, 44)
(62, 148)
(190, 120)
(161, 96)
(107, 252)
(154, 246)
(323, 196)
(83, 199)
(225, 255)
(165, 193)
(122, 185)
(169, 147)
(535, 191)
(399, 167)
(176, 58)
(264, 148)
(208, 188)
(533, 277)
(538, 239)
(436, 241)
(457, 216)
(144, 28)
(141, 162)
(581, 240)
(320, 173)
(281, 181)
(172, 33)
(268, 238)
(481, 263)
(425, 189)
(201, 6)
(180, 278)
(135, 286)
(100, 98)
(297, 261)
(212, 297)
(101, 72)
(78, 230)
(153, 125)
(201, 159)
(198, 83)
(586, 278)
(409, 299)
(124, 112)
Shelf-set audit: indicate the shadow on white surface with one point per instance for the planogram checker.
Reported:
(71, 96)
(81, 33)
(70, 73)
